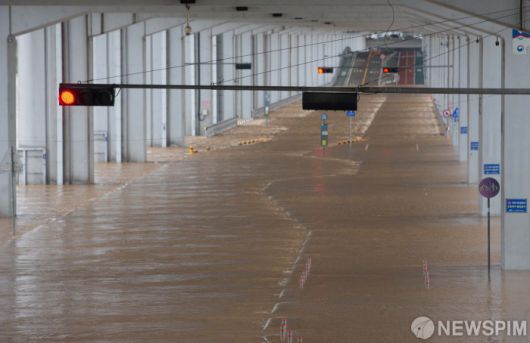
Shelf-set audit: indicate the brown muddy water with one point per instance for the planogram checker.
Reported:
(211, 247)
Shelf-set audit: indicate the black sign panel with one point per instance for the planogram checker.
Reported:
(243, 66)
(332, 101)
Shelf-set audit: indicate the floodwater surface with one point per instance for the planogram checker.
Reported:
(346, 244)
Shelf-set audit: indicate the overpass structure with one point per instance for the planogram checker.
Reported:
(190, 69)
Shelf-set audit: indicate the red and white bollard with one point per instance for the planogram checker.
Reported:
(290, 340)
(283, 330)
(300, 340)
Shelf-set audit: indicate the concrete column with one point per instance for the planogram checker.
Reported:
(176, 117)
(54, 112)
(101, 114)
(464, 98)
(302, 58)
(309, 74)
(295, 59)
(260, 68)
(245, 56)
(229, 109)
(78, 121)
(475, 58)
(31, 110)
(490, 119)
(190, 75)
(515, 162)
(133, 100)
(159, 96)
(114, 67)
(7, 107)
(285, 60)
(454, 100)
(275, 58)
(148, 44)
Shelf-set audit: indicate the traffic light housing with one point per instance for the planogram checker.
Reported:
(388, 70)
(86, 95)
(325, 70)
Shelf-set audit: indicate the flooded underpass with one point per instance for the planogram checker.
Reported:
(346, 244)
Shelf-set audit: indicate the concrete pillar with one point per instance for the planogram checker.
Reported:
(302, 77)
(229, 110)
(190, 75)
(205, 77)
(260, 68)
(158, 75)
(133, 100)
(295, 59)
(285, 60)
(114, 67)
(101, 114)
(7, 108)
(176, 117)
(32, 110)
(275, 59)
(475, 60)
(464, 98)
(490, 119)
(244, 54)
(308, 58)
(78, 121)
(515, 162)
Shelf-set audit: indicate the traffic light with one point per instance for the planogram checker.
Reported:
(325, 70)
(387, 70)
(86, 95)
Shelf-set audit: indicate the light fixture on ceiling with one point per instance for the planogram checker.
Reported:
(241, 8)
(277, 15)
(187, 29)
(497, 43)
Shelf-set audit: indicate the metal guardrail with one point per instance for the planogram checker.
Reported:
(220, 127)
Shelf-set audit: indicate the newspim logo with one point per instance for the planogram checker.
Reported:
(424, 328)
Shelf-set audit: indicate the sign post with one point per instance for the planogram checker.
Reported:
(351, 115)
(324, 132)
(489, 188)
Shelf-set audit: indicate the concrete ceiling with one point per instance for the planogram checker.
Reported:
(340, 15)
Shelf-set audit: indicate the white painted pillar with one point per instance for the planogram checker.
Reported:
(473, 117)
(464, 99)
(114, 67)
(309, 71)
(78, 128)
(259, 69)
(245, 52)
(133, 100)
(229, 109)
(516, 162)
(295, 59)
(285, 60)
(190, 97)
(101, 114)
(490, 120)
(176, 117)
(275, 58)
(7, 107)
(54, 117)
(31, 106)
(159, 96)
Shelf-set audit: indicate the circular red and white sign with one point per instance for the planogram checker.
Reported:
(446, 113)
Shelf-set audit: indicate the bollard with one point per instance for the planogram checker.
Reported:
(290, 340)
(300, 340)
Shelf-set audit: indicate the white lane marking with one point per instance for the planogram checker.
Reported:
(366, 146)
(417, 147)
(265, 340)
(275, 307)
(281, 294)
(267, 324)
(297, 259)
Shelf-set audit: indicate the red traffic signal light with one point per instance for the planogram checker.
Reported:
(387, 70)
(86, 95)
(324, 70)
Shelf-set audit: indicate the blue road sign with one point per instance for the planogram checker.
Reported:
(492, 169)
(324, 135)
(324, 117)
(463, 130)
(350, 113)
(475, 146)
(516, 205)
(456, 114)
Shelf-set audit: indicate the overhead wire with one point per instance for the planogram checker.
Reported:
(299, 46)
